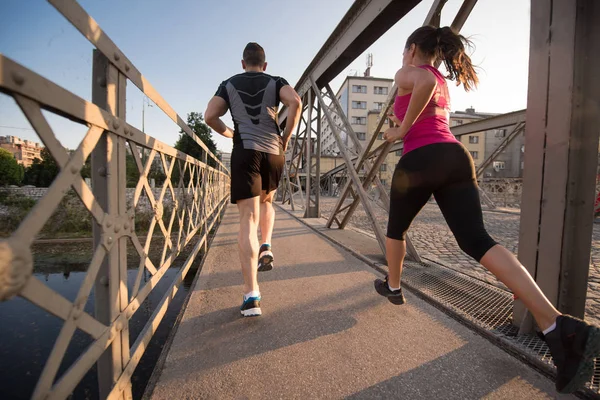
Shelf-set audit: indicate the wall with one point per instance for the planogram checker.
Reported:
(143, 204)
(505, 192)
(512, 155)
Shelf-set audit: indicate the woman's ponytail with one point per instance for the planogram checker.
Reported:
(448, 47)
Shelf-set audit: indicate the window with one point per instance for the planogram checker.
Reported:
(361, 135)
(359, 104)
(522, 148)
(457, 122)
(383, 167)
(498, 165)
(522, 164)
(359, 89)
(359, 120)
(387, 121)
(380, 90)
(500, 133)
(473, 139)
(475, 155)
(379, 106)
(399, 153)
(380, 136)
(383, 182)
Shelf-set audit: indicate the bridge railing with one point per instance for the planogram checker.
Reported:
(195, 191)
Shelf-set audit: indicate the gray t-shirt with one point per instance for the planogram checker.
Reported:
(253, 100)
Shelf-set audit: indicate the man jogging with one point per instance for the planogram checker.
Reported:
(257, 160)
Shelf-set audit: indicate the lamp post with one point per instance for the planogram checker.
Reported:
(145, 102)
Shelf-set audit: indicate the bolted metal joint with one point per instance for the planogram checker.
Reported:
(16, 267)
(18, 78)
(77, 310)
(158, 210)
(107, 223)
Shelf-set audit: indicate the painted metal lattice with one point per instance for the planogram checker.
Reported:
(197, 191)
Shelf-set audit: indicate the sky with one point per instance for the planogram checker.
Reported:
(185, 48)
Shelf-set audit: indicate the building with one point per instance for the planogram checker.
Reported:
(329, 162)
(509, 163)
(358, 95)
(225, 159)
(361, 98)
(24, 151)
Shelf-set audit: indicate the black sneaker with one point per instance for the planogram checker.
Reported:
(573, 344)
(251, 307)
(382, 287)
(265, 258)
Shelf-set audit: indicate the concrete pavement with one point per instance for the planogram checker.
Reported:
(325, 333)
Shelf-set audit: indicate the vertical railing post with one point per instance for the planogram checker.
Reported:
(204, 194)
(308, 152)
(316, 212)
(109, 187)
(562, 152)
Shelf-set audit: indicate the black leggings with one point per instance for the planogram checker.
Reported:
(446, 171)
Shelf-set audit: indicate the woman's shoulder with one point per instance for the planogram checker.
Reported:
(409, 74)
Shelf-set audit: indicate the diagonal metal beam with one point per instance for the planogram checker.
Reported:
(353, 174)
(364, 23)
(518, 129)
(338, 109)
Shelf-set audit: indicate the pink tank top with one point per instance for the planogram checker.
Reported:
(432, 125)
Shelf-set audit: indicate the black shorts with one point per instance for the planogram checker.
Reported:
(253, 171)
(446, 171)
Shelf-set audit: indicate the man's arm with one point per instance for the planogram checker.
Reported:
(292, 101)
(217, 107)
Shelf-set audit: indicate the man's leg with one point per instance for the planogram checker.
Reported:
(248, 241)
(267, 216)
(267, 221)
(271, 170)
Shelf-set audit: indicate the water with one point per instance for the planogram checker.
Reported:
(28, 333)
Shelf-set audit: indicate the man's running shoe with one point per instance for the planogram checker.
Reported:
(573, 344)
(251, 307)
(265, 258)
(394, 297)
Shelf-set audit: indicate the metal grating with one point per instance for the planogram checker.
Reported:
(485, 305)
(487, 308)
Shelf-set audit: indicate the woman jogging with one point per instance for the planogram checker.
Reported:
(435, 163)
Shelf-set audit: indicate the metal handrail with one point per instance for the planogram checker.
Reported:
(198, 199)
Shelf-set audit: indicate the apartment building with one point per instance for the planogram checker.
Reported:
(358, 95)
(24, 151)
(509, 163)
(225, 159)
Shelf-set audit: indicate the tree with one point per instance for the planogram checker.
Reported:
(11, 173)
(187, 145)
(42, 172)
